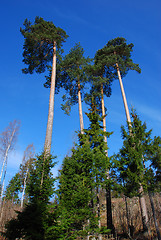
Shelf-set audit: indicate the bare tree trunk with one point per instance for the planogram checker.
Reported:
(103, 115)
(2, 189)
(24, 186)
(108, 190)
(28, 155)
(123, 95)
(2, 211)
(6, 152)
(80, 109)
(7, 140)
(48, 138)
(49, 129)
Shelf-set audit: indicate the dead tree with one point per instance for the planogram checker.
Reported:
(8, 139)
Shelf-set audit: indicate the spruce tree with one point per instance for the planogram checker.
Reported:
(81, 177)
(13, 189)
(132, 158)
(35, 219)
(101, 81)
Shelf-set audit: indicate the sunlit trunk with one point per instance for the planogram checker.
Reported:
(103, 115)
(48, 138)
(80, 109)
(123, 95)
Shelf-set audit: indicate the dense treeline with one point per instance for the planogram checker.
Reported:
(73, 209)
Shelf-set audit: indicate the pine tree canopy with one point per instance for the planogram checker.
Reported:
(74, 75)
(116, 51)
(38, 46)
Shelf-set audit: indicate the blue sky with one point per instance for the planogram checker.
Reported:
(92, 23)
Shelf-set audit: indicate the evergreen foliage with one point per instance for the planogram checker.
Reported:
(38, 46)
(104, 69)
(154, 171)
(132, 161)
(13, 189)
(35, 219)
(99, 80)
(73, 76)
(82, 174)
(116, 51)
(16, 184)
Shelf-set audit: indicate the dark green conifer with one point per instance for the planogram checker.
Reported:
(131, 162)
(82, 175)
(36, 218)
(13, 189)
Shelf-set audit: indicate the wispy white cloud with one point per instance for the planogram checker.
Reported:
(151, 112)
(76, 18)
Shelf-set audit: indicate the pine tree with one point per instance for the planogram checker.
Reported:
(74, 77)
(41, 40)
(116, 59)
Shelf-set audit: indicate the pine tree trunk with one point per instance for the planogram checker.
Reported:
(123, 95)
(108, 190)
(103, 115)
(80, 108)
(48, 138)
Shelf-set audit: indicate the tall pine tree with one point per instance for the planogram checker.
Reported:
(41, 40)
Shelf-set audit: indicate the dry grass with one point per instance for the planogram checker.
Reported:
(119, 216)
